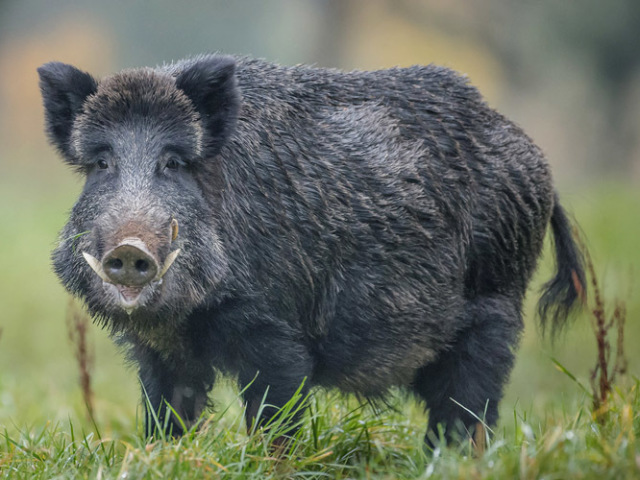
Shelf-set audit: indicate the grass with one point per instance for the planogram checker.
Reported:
(341, 439)
(546, 430)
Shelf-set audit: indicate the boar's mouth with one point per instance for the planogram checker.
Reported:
(130, 294)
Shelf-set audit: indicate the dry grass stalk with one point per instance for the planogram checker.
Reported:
(606, 371)
(479, 440)
(77, 328)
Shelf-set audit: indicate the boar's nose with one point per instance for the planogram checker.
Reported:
(130, 264)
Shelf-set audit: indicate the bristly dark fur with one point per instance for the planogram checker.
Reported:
(361, 230)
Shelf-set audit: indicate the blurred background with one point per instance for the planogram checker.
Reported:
(567, 72)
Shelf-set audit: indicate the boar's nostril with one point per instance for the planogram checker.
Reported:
(130, 265)
(113, 264)
(142, 266)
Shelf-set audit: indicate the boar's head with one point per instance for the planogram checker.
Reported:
(142, 243)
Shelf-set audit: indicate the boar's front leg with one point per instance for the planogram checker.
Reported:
(275, 368)
(166, 383)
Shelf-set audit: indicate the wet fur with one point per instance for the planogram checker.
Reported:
(361, 230)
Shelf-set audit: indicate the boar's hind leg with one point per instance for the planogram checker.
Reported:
(472, 373)
(184, 389)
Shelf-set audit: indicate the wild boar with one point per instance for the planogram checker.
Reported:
(297, 226)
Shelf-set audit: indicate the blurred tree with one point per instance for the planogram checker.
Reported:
(603, 38)
(372, 34)
(336, 16)
(568, 71)
(606, 34)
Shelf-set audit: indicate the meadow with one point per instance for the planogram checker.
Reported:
(547, 427)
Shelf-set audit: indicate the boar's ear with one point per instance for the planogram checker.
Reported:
(64, 89)
(210, 83)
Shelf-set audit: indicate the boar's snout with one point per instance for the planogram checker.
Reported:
(130, 263)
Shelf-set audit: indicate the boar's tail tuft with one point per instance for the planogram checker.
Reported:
(560, 294)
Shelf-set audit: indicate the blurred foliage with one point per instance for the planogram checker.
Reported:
(568, 72)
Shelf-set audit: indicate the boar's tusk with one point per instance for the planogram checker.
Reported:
(96, 266)
(174, 229)
(168, 262)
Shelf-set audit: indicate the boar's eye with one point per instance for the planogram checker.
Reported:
(173, 162)
(102, 158)
(102, 164)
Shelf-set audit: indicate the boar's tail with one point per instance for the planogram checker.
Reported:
(561, 293)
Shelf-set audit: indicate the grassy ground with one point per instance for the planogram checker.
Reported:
(340, 439)
(546, 429)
